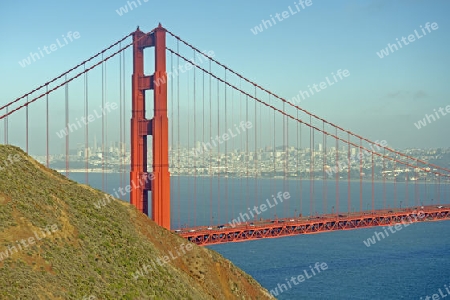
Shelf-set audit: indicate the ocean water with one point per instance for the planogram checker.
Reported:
(410, 263)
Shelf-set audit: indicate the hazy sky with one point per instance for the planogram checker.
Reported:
(381, 99)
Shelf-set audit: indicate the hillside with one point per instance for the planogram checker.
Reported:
(55, 244)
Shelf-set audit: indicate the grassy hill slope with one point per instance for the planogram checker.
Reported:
(55, 244)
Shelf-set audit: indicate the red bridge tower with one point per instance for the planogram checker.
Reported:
(157, 127)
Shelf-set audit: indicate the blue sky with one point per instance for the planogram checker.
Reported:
(381, 99)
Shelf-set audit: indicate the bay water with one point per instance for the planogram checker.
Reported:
(412, 262)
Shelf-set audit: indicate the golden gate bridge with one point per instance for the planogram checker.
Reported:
(215, 111)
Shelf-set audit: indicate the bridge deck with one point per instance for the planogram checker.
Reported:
(308, 225)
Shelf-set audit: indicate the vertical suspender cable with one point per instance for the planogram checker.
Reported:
(416, 190)
(286, 188)
(241, 144)
(261, 146)
(124, 148)
(66, 94)
(105, 115)
(226, 148)
(439, 189)
(360, 176)
(195, 141)
(247, 158)
(426, 187)
(445, 190)
(233, 144)
(395, 183)
(218, 153)
(187, 170)
(205, 205)
(120, 115)
(5, 129)
(300, 169)
(286, 158)
(325, 177)
(313, 204)
(26, 112)
(337, 173)
(373, 186)
(274, 157)
(255, 158)
(384, 178)
(103, 126)
(195, 159)
(47, 122)
(86, 135)
(211, 220)
(406, 184)
(435, 190)
(178, 134)
(349, 200)
(298, 166)
(311, 167)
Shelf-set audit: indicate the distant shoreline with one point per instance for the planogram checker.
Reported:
(291, 178)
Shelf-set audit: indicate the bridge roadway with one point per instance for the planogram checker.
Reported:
(253, 230)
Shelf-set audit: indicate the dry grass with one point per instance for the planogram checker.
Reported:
(97, 251)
